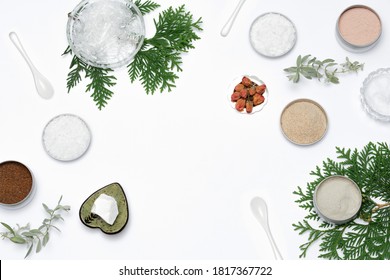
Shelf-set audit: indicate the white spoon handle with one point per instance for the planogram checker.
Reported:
(228, 25)
(275, 249)
(15, 40)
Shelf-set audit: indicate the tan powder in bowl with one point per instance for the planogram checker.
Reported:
(359, 26)
(304, 122)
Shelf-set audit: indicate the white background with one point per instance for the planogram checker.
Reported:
(188, 162)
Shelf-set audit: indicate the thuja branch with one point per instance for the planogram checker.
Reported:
(157, 63)
(368, 236)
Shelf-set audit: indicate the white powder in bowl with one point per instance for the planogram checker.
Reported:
(272, 34)
(66, 137)
(376, 94)
(337, 199)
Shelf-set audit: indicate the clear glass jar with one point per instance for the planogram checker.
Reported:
(375, 94)
(106, 33)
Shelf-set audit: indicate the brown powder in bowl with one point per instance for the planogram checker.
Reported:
(15, 182)
(359, 26)
(303, 122)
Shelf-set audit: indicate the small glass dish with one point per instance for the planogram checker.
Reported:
(66, 137)
(303, 122)
(358, 28)
(272, 35)
(375, 94)
(255, 80)
(106, 33)
(18, 187)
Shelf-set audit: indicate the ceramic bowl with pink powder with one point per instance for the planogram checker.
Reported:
(358, 28)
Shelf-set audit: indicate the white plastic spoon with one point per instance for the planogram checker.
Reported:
(259, 209)
(228, 25)
(43, 86)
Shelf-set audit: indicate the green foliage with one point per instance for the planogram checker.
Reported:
(38, 237)
(100, 83)
(147, 6)
(368, 236)
(310, 67)
(156, 64)
(159, 59)
(100, 79)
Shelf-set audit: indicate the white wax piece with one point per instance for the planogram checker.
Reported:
(106, 207)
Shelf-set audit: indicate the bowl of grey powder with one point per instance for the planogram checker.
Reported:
(337, 199)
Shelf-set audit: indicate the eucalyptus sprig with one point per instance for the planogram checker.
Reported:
(39, 236)
(325, 70)
(368, 236)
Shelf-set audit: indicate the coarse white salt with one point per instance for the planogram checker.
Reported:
(272, 34)
(66, 137)
(106, 33)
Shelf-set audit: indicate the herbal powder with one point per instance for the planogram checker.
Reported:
(303, 122)
(16, 182)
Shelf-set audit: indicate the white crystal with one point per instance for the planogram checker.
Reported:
(106, 207)
(107, 32)
(378, 94)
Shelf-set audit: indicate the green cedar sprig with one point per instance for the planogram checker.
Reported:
(146, 7)
(367, 237)
(157, 63)
(100, 79)
(38, 237)
(310, 67)
(159, 60)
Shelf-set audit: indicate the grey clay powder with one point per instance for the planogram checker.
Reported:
(338, 198)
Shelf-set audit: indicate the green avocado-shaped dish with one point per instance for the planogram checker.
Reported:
(94, 221)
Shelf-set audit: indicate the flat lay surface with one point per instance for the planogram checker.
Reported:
(188, 162)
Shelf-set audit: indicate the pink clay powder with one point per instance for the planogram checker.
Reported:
(359, 26)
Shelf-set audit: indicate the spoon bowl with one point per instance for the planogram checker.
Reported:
(260, 211)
